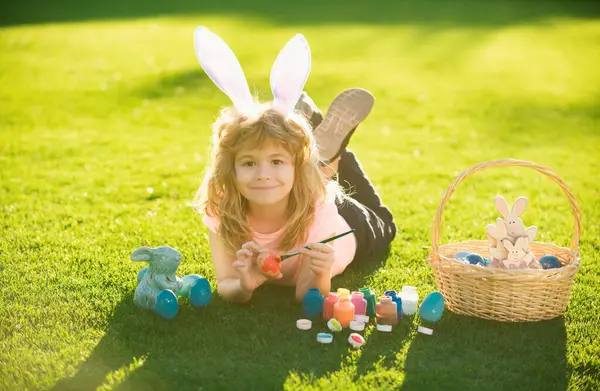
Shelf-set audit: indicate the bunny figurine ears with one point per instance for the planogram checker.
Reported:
(288, 74)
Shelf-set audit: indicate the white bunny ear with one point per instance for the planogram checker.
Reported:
(502, 230)
(221, 65)
(519, 206)
(507, 244)
(522, 242)
(289, 74)
(502, 206)
(531, 232)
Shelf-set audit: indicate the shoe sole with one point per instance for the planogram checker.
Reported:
(345, 113)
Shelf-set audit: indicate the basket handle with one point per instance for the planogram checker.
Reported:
(437, 222)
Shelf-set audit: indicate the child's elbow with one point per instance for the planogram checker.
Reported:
(233, 297)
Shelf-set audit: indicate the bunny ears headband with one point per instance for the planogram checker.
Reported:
(288, 74)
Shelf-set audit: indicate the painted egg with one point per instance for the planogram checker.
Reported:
(474, 259)
(269, 263)
(550, 262)
(432, 307)
(166, 304)
(186, 282)
(461, 254)
(200, 293)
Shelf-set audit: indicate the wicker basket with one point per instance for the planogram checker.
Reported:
(509, 295)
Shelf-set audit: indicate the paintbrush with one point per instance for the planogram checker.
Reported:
(293, 253)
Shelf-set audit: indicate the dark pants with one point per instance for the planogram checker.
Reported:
(363, 210)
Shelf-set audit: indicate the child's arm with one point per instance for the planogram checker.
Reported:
(228, 281)
(315, 269)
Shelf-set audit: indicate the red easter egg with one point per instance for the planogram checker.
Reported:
(270, 265)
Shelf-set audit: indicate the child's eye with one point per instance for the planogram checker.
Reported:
(277, 162)
(248, 164)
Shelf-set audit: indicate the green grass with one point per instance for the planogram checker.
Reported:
(98, 103)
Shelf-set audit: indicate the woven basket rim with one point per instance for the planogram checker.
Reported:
(547, 171)
(445, 260)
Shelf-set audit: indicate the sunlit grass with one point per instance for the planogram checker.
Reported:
(95, 112)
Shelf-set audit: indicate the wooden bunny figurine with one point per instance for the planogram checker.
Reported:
(510, 230)
(496, 234)
(514, 225)
(519, 254)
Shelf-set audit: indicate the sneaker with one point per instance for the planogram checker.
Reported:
(345, 113)
(311, 112)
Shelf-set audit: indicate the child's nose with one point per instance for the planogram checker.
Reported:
(263, 172)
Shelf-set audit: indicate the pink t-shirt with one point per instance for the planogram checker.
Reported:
(327, 223)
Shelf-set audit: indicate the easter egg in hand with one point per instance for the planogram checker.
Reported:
(550, 262)
(269, 264)
(200, 293)
(186, 282)
(166, 304)
(141, 274)
(432, 307)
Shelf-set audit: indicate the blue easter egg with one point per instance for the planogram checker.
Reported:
(200, 293)
(461, 254)
(166, 304)
(186, 282)
(141, 274)
(474, 258)
(432, 307)
(550, 262)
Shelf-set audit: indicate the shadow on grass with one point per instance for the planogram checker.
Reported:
(470, 353)
(222, 346)
(461, 12)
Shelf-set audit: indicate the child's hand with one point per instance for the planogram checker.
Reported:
(321, 257)
(250, 275)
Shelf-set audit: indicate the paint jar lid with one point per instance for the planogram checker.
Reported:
(304, 324)
(424, 330)
(334, 325)
(357, 326)
(356, 340)
(384, 327)
(324, 338)
(361, 318)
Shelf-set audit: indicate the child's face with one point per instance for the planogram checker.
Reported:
(265, 175)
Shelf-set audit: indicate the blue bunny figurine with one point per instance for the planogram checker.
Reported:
(163, 262)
